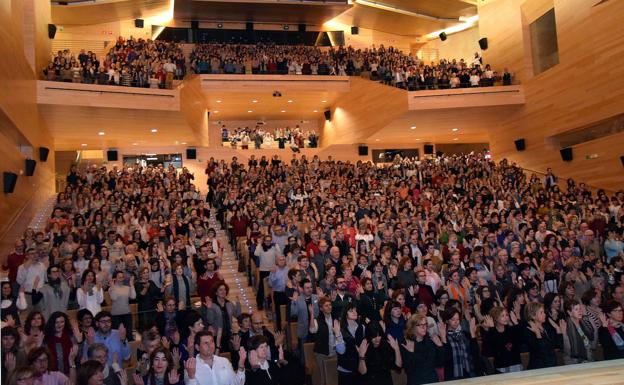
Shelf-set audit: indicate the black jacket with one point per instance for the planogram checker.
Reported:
(611, 352)
(350, 359)
(421, 363)
(542, 350)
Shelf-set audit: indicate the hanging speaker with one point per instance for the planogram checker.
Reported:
(111, 155)
(327, 114)
(519, 144)
(566, 154)
(30, 167)
(43, 154)
(483, 43)
(191, 153)
(442, 36)
(355, 30)
(363, 150)
(249, 26)
(302, 28)
(51, 31)
(622, 160)
(428, 149)
(9, 179)
(194, 24)
(138, 23)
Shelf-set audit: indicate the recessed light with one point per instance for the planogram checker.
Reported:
(183, 142)
(455, 129)
(250, 111)
(323, 101)
(254, 101)
(135, 144)
(101, 133)
(315, 111)
(455, 138)
(290, 101)
(154, 130)
(84, 145)
(283, 111)
(376, 140)
(417, 138)
(218, 101)
(216, 112)
(413, 127)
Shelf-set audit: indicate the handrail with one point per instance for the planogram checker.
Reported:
(108, 92)
(527, 170)
(480, 92)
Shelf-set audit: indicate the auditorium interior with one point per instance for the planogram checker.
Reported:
(383, 96)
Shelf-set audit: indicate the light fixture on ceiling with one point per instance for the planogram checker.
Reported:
(154, 130)
(376, 140)
(455, 129)
(413, 127)
(254, 101)
(315, 111)
(283, 111)
(323, 101)
(218, 101)
(84, 145)
(417, 138)
(392, 8)
(135, 144)
(215, 112)
(290, 101)
(183, 142)
(249, 111)
(101, 133)
(455, 138)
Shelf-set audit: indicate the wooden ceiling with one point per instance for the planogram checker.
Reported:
(87, 13)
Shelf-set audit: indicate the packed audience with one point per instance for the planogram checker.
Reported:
(442, 269)
(130, 63)
(259, 137)
(388, 65)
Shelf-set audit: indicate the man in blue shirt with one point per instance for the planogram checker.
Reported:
(115, 340)
(277, 281)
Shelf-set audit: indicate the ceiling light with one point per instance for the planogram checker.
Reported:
(315, 111)
(413, 127)
(84, 145)
(417, 138)
(376, 140)
(290, 101)
(218, 101)
(154, 130)
(254, 101)
(455, 129)
(323, 101)
(455, 138)
(216, 111)
(249, 111)
(283, 111)
(135, 144)
(183, 142)
(391, 8)
(101, 133)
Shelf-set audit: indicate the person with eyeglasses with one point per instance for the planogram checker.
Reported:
(611, 333)
(23, 375)
(39, 360)
(420, 354)
(115, 340)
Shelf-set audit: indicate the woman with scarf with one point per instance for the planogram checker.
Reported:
(262, 371)
(58, 339)
(577, 341)
(371, 302)
(461, 348)
(181, 287)
(218, 312)
(611, 333)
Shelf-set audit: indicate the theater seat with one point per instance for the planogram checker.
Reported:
(292, 329)
(398, 377)
(331, 370)
(308, 359)
(524, 357)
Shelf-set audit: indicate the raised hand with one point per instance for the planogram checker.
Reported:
(394, 344)
(473, 326)
(138, 380)
(174, 377)
(73, 353)
(175, 352)
(604, 320)
(159, 307)
(563, 327)
(336, 327)
(9, 362)
(488, 322)
(165, 342)
(235, 341)
(123, 377)
(10, 321)
(362, 348)
(535, 329)
(409, 346)
(280, 352)
(442, 328)
(190, 366)
(279, 338)
(383, 325)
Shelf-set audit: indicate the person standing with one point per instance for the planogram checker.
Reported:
(207, 368)
(54, 295)
(267, 253)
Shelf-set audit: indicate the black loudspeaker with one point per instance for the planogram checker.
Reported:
(51, 31)
(111, 155)
(138, 23)
(566, 154)
(249, 26)
(363, 150)
(194, 24)
(519, 144)
(428, 149)
(43, 154)
(483, 43)
(191, 153)
(10, 178)
(327, 114)
(622, 160)
(355, 30)
(442, 36)
(30, 167)
(302, 28)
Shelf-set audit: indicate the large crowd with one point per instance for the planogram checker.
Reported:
(130, 62)
(385, 64)
(260, 137)
(443, 269)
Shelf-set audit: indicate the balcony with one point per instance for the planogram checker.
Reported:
(466, 97)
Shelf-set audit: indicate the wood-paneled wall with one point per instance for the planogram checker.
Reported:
(466, 97)
(586, 86)
(194, 107)
(22, 130)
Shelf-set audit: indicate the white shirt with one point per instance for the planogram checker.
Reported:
(90, 302)
(26, 275)
(221, 373)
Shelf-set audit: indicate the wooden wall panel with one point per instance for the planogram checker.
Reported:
(583, 88)
(94, 13)
(460, 45)
(194, 107)
(369, 107)
(269, 83)
(466, 97)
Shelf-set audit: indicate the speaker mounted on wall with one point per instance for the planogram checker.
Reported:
(355, 30)
(111, 155)
(566, 154)
(138, 23)
(249, 26)
(327, 114)
(194, 24)
(302, 28)
(51, 31)
(43, 154)
(483, 43)
(9, 181)
(442, 36)
(363, 150)
(191, 153)
(428, 148)
(520, 146)
(30, 167)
